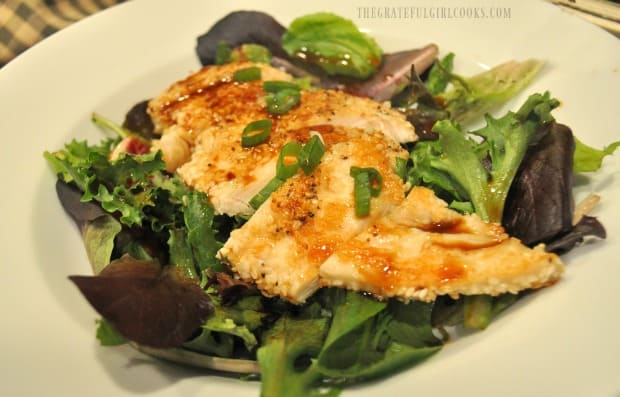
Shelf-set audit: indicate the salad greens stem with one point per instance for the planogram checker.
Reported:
(477, 311)
(119, 130)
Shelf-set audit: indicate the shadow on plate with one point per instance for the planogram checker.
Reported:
(139, 373)
(59, 252)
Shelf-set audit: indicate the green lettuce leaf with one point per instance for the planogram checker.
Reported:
(181, 254)
(334, 43)
(472, 311)
(455, 163)
(193, 247)
(229, 325)
(370, 339)
(427, 172)
(212, 343)
(73, 163)
(140, 192)
(198, 216)
(458, 158)
(108, 335)
(134, 186)
(589, 159)
(287, 358)
(472, 97)
(507, 140)
(350, 310)
(98, 236)
(440, 75)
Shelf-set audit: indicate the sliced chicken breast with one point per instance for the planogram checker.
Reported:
(423, 249)
(211, 98)
(207, 102)
(284, 243)
(306, 235)
(202, 119)
(339, 108)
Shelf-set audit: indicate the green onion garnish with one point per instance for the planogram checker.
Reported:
(367, 183)
(292, 157)
(361, 192)
(282, 96)
(256, 132)
(222, 53)
(374, 177)
(247, 74)
(282, 101)
(265, 192)
(274, 86)
(288, 160)
(311, 154)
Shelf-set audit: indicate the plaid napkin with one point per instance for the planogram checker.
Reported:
(25, 22)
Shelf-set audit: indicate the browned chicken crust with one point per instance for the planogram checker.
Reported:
(202, 119)
(306, 235)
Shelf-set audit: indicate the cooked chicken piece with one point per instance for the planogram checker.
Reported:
(422, 249)
(207, 102)
(210, 98)
(306, 235)
(284, 243)
(339, 108)
(204, 116)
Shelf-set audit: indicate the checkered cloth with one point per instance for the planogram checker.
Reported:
(25, 22)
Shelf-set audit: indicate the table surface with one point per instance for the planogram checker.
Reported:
(23, 23)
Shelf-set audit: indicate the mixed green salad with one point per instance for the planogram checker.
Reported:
(152, 241)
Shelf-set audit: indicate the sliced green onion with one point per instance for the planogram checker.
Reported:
(311, 154)
(282, 96)
(374, 178)
(362, 194)
(292, 157)
(256, 132)
(400, 168)
(222, 53)
(274, 86)
(282, 101)
(288, 160)
(265, 192)
(367, 183)
(247, 74)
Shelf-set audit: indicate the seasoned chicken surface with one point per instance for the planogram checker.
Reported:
(210, 102)
(306, 235)
(210, 98)
(283, 245)
(422, 249)
(202, 119)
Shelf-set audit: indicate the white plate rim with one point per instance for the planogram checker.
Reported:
(555, 343)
